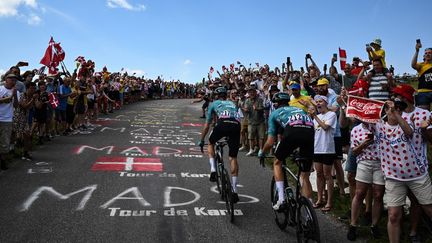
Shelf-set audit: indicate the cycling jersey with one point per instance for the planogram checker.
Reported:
(224, 109)
(288, 116)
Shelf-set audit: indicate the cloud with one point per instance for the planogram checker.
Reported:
(125, 5)
(9, 8)
(187, 62)
(33, 19)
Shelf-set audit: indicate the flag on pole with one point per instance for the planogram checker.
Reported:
(60, 52)
(342, 57)
(48, 57)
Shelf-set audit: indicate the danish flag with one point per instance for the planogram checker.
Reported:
(127, 164)
(53, 100)
(342, 56)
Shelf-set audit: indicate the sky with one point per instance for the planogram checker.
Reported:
(181, 39)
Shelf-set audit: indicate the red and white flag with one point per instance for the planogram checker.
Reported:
(48, 57)
(53, 100)
(127, 164)
(364, 109)
(342, 57)
(60, 53)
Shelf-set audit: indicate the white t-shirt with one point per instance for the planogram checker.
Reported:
(324, 141)
(399, 161)
(6, 109)
(259, 84)
(358, 135)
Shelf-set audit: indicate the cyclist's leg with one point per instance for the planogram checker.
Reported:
(233, 135)
(282, 150)
(306, 145)
(214, 136)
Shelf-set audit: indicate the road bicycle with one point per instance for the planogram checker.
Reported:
(223, 181)
(298, 212)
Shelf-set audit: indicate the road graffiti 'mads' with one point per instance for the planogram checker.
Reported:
(143, 206)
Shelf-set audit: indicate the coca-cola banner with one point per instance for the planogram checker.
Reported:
(364, 109)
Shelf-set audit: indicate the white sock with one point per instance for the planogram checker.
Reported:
(280, 187)
(234, 183)
(212, 165)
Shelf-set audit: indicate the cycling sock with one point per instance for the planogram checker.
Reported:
(212, 165)
(234, 183)
(280, 187)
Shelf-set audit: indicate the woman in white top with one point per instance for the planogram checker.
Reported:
(324, 151)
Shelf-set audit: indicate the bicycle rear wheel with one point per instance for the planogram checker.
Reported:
(227, 191)
(218, 175)
(307, 222)
(281, 218)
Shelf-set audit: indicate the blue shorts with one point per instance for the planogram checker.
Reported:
(351, 163)
(423, 98)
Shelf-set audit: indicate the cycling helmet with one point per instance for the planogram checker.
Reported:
(281, 98)
(220, 91)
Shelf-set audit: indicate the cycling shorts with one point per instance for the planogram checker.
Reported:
(293, 138)
(227, 128)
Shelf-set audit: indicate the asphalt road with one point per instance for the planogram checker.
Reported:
(137, 177)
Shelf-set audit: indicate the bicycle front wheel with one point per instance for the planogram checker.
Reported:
(307, 222)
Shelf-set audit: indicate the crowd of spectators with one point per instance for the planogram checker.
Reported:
(35, 108)
(404, 132)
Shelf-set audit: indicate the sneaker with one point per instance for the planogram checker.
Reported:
(250, 153)
(414, 239)
(26, 156)
(244, 148)
(375, 232)
(352, 233)
(279, 206)
(213, 176)
(234, 198)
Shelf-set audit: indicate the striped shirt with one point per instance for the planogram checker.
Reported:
(376, 91)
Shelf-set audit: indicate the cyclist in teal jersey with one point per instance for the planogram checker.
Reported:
(227, 125)
(297, 130)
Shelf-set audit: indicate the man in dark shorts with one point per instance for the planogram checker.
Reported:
(227, 125)
(298, 132)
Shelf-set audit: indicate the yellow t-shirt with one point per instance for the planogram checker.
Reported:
(295, 102)
(381, 53)
(423, 67)
(70, 100)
